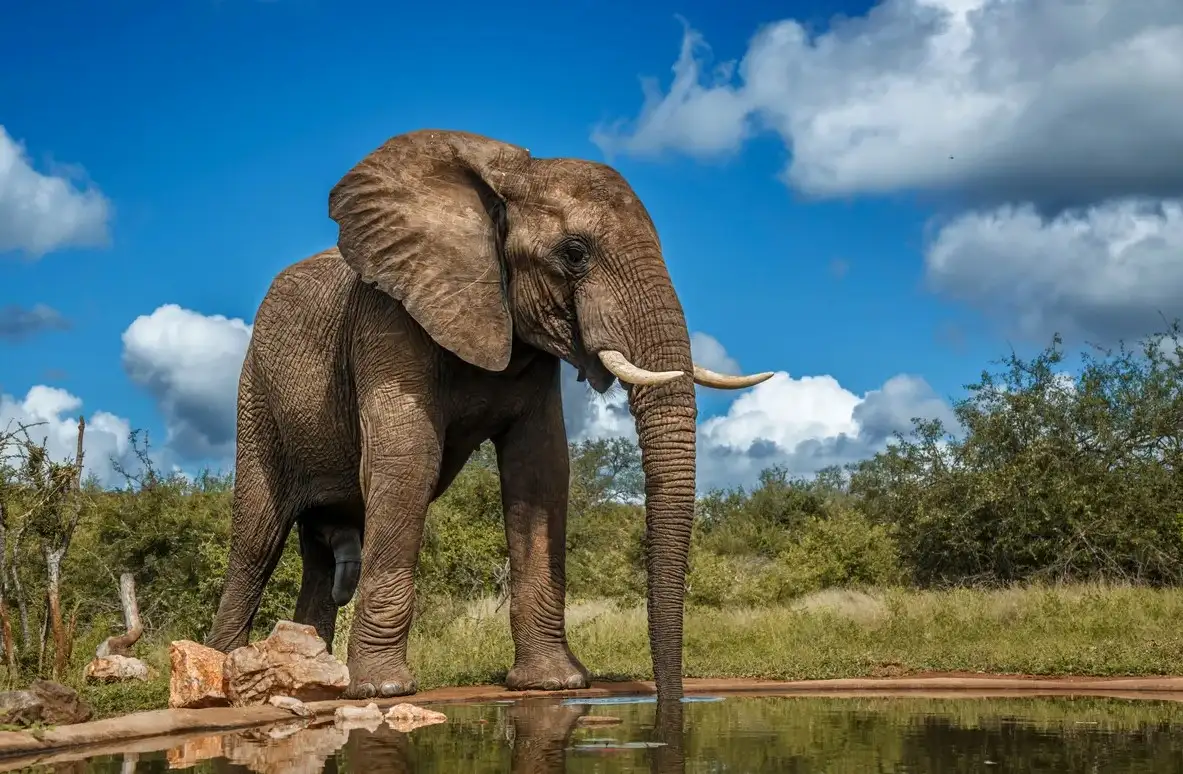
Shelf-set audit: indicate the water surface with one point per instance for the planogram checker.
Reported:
(735, 734)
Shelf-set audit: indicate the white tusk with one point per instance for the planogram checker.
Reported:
(625, 371)
(708, 378)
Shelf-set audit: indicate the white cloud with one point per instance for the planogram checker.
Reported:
(40, 213)
(51, 415)
(786, 412)
(189, 363)
(1056, 99)
(709, 353)
(589, 415)
(809, 423)
(802, 424)
(1109, 271)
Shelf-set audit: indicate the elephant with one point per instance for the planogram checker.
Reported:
(465, 271)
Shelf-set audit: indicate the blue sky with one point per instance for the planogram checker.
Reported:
(900, 196)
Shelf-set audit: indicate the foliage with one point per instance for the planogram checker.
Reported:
(1049, 475)
(1052, 476)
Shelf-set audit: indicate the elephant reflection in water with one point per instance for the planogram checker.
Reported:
(541, 734)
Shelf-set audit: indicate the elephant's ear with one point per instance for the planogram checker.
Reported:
(422, 219)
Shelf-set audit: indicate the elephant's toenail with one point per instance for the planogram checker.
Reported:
(365, 691)
(389, 690)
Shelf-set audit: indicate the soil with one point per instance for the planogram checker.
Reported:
(949, 684)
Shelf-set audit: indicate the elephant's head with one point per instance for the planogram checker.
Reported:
(482, 243)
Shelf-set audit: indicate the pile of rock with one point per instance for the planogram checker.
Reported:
(293, 661)
(289, 667)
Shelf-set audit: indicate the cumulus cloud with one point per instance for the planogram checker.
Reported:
(808, 423)
(803, 424)
(589, 415)
(189, 363)
(39, 212)
(19, 322)
(1054, 100)
(709, 353)
(1110, 271)
(51, 415)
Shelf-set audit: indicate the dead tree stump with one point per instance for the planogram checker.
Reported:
(121, 644)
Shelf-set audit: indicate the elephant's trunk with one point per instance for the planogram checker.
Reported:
(665, 416)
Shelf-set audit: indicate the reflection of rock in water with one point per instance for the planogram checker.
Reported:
(193, 751)
(539, 735)
(290, 748)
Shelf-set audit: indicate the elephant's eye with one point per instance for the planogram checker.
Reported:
(575, 253)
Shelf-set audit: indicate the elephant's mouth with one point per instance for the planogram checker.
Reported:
(592, 371)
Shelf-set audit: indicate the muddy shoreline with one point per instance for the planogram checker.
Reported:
(156, 730)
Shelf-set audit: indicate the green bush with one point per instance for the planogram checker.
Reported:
(837, 547)
(1051, 477)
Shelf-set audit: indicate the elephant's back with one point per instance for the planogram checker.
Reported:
(299, 324)
(296, 368)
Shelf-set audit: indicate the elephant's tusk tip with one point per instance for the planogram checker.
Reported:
(705, 377)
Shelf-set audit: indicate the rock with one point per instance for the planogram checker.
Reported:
(196, 676)
(295, 706)
(350, 717)
(43, 702)
(20, 708)
(62, 705)
(116, 669)
(292, 661)
(407, 717)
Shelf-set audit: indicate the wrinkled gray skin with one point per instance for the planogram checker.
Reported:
(464, 271)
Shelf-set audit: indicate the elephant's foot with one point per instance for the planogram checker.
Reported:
(379, 683)
(561, 672)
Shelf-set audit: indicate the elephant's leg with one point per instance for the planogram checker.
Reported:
(535, 476)
(261, 518)
(401, 454)
(541, 735)
(314, 604)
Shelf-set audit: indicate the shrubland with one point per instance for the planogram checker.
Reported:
(1042, 532)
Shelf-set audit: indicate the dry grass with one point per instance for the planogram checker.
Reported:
(1070, 630)
(1093, 630)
